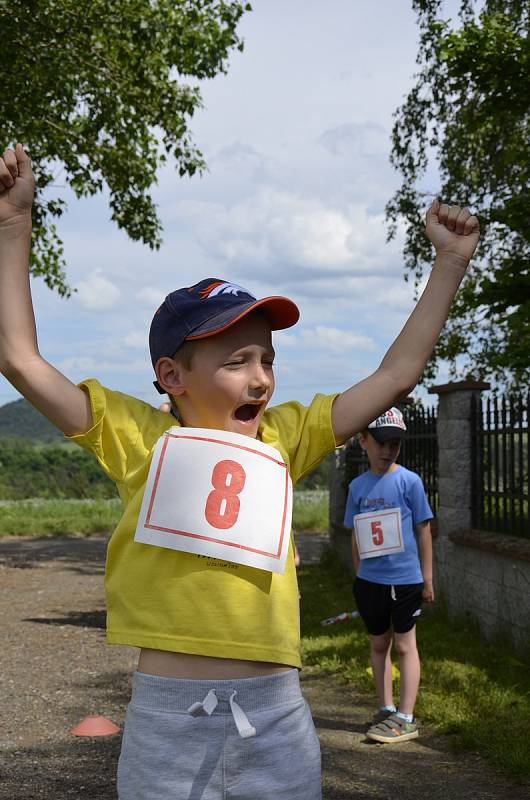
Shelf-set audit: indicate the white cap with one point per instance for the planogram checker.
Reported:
(389, 425)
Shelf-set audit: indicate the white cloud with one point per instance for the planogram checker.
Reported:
(150, 296)
(352, 140)
(135, 339)
(275, 229)
(337, 340)
(97, 293)
(239, 157)
(324, 338)
(92, 365)
(285, 339)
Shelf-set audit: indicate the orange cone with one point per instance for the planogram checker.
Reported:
(94, 725)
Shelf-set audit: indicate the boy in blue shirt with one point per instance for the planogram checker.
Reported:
(385, 506)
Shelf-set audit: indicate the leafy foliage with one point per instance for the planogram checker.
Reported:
(470, 110)
(50, 471)
(93, 88)
(21, 420)
(37, 461)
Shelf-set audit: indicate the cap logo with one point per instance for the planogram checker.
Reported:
(382, 422)
(392, 418)
(219, 287)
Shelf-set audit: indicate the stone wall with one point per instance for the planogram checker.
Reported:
(486, 576)
(481, 575)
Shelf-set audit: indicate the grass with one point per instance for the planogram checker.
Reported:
(311, 510)
(54, 517)
(479, 692)
(43, 517)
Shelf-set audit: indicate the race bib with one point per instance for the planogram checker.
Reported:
(218, 494)
(378, 533)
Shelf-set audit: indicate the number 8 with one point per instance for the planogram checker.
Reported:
(222, 505)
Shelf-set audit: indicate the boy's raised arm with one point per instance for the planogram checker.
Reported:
(454, 234)
(48, 390)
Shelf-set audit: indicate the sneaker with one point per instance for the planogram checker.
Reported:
(393, 729)
(380, 715)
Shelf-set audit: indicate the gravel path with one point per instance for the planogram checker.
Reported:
(55, 669)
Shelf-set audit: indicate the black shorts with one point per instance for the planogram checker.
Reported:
(383, 607)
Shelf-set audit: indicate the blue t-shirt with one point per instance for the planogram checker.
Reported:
(400, 488)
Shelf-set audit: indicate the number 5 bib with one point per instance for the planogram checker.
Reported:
(218, 494)
(378, 533)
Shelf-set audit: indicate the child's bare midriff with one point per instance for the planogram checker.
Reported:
(195, 667)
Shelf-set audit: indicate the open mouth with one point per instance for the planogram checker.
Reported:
(247, 412)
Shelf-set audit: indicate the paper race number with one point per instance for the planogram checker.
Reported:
(378, 533)
(218, 494)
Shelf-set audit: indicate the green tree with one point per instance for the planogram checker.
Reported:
(469, 113)
(97, 89)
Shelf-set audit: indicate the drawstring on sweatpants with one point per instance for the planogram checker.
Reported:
(209, 704)
(206, 708)
(245, 729)
(393, 592)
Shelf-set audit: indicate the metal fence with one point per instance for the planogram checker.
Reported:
(500, 458)
(501, 464)
(419, 451)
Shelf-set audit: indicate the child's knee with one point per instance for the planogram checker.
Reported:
(380, 644)
(405, 643)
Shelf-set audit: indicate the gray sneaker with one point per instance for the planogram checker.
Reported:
(380, 715)
(393, 729)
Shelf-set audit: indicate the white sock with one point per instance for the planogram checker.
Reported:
(391, 708)
(406, 717)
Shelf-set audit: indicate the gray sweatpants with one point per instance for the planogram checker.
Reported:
(244, 739)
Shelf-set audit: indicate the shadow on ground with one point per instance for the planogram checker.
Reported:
(85, 556)
(83, 619)
(64, 771)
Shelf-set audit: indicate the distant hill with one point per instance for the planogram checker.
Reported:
(20, 420)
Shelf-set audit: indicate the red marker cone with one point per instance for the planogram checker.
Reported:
(94, 725)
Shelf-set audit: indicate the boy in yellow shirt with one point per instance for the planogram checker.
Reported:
(216, 709)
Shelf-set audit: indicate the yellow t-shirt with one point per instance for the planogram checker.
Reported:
(169, 600)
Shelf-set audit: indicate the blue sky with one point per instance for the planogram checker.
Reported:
(297, 138)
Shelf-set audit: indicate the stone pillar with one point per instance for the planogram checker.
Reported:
(454, 465)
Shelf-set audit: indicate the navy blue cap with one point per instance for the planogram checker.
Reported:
(209, 307)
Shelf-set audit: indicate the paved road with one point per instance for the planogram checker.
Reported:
(55, 668)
